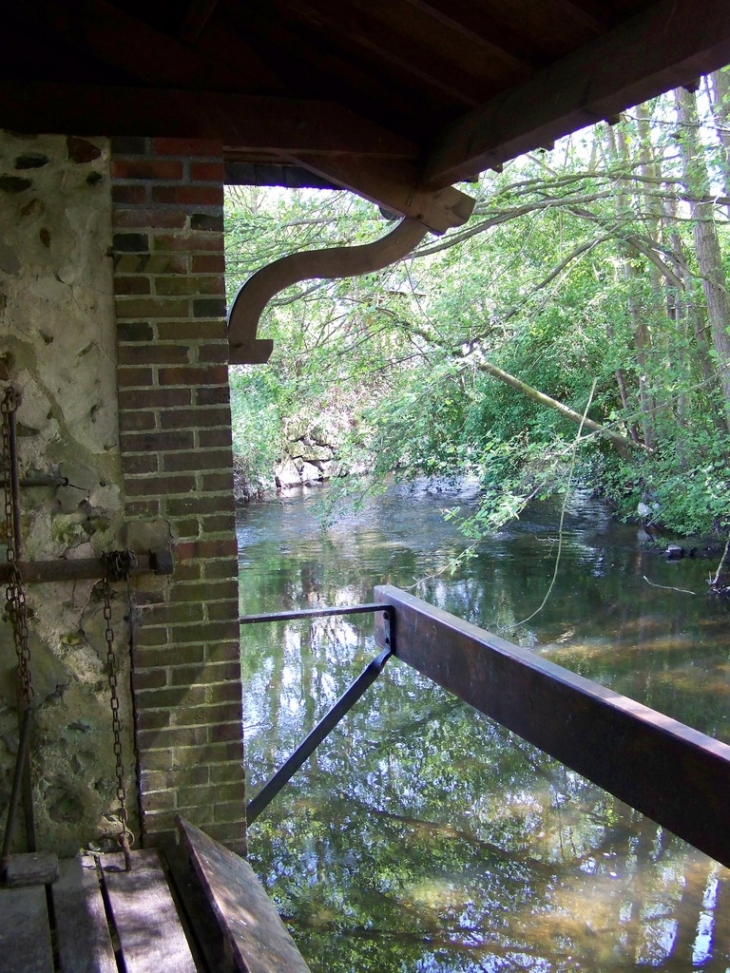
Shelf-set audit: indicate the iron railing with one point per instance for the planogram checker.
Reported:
(340, 709)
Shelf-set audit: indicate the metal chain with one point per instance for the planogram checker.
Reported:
(14, 592)
(125, 838)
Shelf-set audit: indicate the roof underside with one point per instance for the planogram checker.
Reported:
(396, 99)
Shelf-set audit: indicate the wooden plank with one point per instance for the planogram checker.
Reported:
(82, 932)
(202, 920)
(675, 775)
(101, 30)
(669, 44)
(479, 26)
(31, 868)
(25, 938)
(145, 916)
(394, 37)
(242, 173)
(198, 14)
(257, 936)
(322, 136)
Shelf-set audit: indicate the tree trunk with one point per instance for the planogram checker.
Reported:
(622, 444)
(618, 152)
(719, 82)
(707, 244)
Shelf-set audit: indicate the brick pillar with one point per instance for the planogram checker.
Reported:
(177, 463)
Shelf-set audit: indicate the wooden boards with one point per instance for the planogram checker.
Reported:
(31, 868)
(84, 943)
(104, 920)
(25, 938)
(257, 937)
(145, 916)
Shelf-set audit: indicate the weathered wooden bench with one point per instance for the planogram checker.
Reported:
(197, 909)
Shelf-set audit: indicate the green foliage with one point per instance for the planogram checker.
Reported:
(691, 497)
(258, 406)
(577, 274)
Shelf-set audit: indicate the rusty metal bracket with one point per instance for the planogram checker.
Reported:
(38, 480)
(156, 562)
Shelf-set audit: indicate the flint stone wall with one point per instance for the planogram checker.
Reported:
(58, 347)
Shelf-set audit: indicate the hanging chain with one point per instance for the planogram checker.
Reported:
(14, 592)
(119, 564)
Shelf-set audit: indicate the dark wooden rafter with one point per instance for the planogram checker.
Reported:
(197, 16)
(588, 13)
(478, 27)
(547, 27)
(670, 43)
(264, 124)
(99, 30)
(387, 32)
(299, 58)
(239, 172)
(371, 97)
(396, 186)
(324, 137)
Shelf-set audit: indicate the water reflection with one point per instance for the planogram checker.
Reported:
(423, 837)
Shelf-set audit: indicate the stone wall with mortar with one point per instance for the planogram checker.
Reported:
(58, 346)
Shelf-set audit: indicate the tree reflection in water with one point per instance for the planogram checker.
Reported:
(423, 837)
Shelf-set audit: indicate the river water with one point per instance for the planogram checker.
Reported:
(423, 837)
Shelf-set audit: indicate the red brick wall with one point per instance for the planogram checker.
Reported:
(177, 465)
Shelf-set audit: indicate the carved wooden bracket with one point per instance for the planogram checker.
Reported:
(331, 264)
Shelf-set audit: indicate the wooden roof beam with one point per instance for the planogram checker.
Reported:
(322, 136)
(396, 186)
(368, 32)
(670, 43)
(257, 124)
(97, 29)
(495, 38)
(198, 14)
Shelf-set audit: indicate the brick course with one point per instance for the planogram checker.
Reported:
(177, 463)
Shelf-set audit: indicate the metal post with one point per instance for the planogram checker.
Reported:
(343, 705)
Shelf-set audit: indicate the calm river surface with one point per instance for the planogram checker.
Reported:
(423, 837)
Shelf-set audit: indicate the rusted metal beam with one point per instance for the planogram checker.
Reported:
(675, 775)
(667, 45)
(63, 569)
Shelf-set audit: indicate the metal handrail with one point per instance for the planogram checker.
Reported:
(676, 775)
(312, 613)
